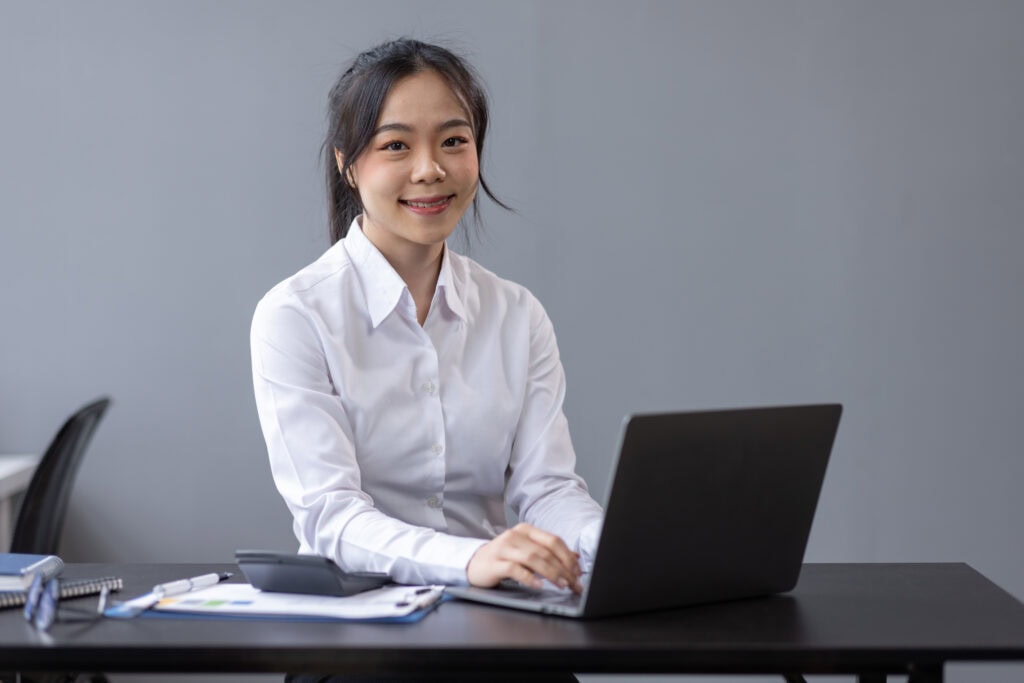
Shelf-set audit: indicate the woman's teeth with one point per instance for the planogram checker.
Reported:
(427, 205)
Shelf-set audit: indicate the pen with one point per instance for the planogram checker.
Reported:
(195, 583)
(421, 597)
(136, 606)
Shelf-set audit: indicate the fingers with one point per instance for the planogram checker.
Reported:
(545, 555)
(567, 558)
(525, 554)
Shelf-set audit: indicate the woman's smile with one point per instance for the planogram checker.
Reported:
(428, 206)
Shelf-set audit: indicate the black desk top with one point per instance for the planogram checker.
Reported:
(841, 618)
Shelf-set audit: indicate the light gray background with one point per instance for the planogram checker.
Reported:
(720, 204)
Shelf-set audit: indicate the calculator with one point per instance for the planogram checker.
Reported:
(310, 574)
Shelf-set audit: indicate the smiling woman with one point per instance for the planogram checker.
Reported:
(407, 395)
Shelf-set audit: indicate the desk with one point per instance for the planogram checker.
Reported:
(870, 619)
(15, 474)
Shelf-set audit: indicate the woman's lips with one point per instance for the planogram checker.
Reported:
(427, 206)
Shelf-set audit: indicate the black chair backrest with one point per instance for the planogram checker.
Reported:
(45, 503)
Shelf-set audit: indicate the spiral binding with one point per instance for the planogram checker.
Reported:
(70, 588)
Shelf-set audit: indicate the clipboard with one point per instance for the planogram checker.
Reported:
(388, 604)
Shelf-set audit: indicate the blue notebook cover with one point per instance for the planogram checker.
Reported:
(17, 569)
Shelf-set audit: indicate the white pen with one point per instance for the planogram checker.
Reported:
(193, 584)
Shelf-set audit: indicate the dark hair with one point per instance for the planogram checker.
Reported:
(354, 107)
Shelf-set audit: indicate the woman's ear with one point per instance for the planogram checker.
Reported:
(349, 176)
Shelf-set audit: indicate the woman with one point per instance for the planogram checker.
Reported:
(407, 394)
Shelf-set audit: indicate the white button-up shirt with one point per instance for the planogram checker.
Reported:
(396, 446)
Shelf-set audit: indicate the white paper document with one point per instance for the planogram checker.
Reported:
(241, 600)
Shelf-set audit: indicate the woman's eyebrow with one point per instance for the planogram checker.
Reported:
(406, 128)
(393, 126)
(454, 123)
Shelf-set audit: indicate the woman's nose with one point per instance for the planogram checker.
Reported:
(428, 170)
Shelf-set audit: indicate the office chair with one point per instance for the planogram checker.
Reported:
(41, 517)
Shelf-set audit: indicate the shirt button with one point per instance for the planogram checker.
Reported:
(436, 449)
(428, 388)
(434, 502)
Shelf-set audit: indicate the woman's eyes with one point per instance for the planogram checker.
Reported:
(398, 146)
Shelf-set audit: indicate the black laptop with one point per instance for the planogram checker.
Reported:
(704, 506)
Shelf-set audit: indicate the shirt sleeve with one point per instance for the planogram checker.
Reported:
(313, 461)
(543, 488)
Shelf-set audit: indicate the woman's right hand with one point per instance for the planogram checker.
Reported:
(525, 554)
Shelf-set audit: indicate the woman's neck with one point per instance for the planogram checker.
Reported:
(420, 276)
(419, 267)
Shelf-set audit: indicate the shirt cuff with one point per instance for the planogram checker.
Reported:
(586, 544)
(445, 562)
(461, 557)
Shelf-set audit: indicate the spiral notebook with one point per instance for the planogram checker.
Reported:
(69, 588)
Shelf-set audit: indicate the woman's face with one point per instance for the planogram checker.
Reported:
(420, 171)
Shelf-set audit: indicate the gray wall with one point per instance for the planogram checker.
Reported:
(720, 204)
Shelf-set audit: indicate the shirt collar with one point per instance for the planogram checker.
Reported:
(383, 286)
(446, 285)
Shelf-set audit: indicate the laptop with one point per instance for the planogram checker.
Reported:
(704, 506)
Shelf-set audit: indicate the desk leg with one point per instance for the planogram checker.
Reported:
(6, 523)
(925, 674)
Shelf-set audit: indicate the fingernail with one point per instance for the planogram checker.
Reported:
(563, 583)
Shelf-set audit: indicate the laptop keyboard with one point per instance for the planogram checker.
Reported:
(550, 594)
